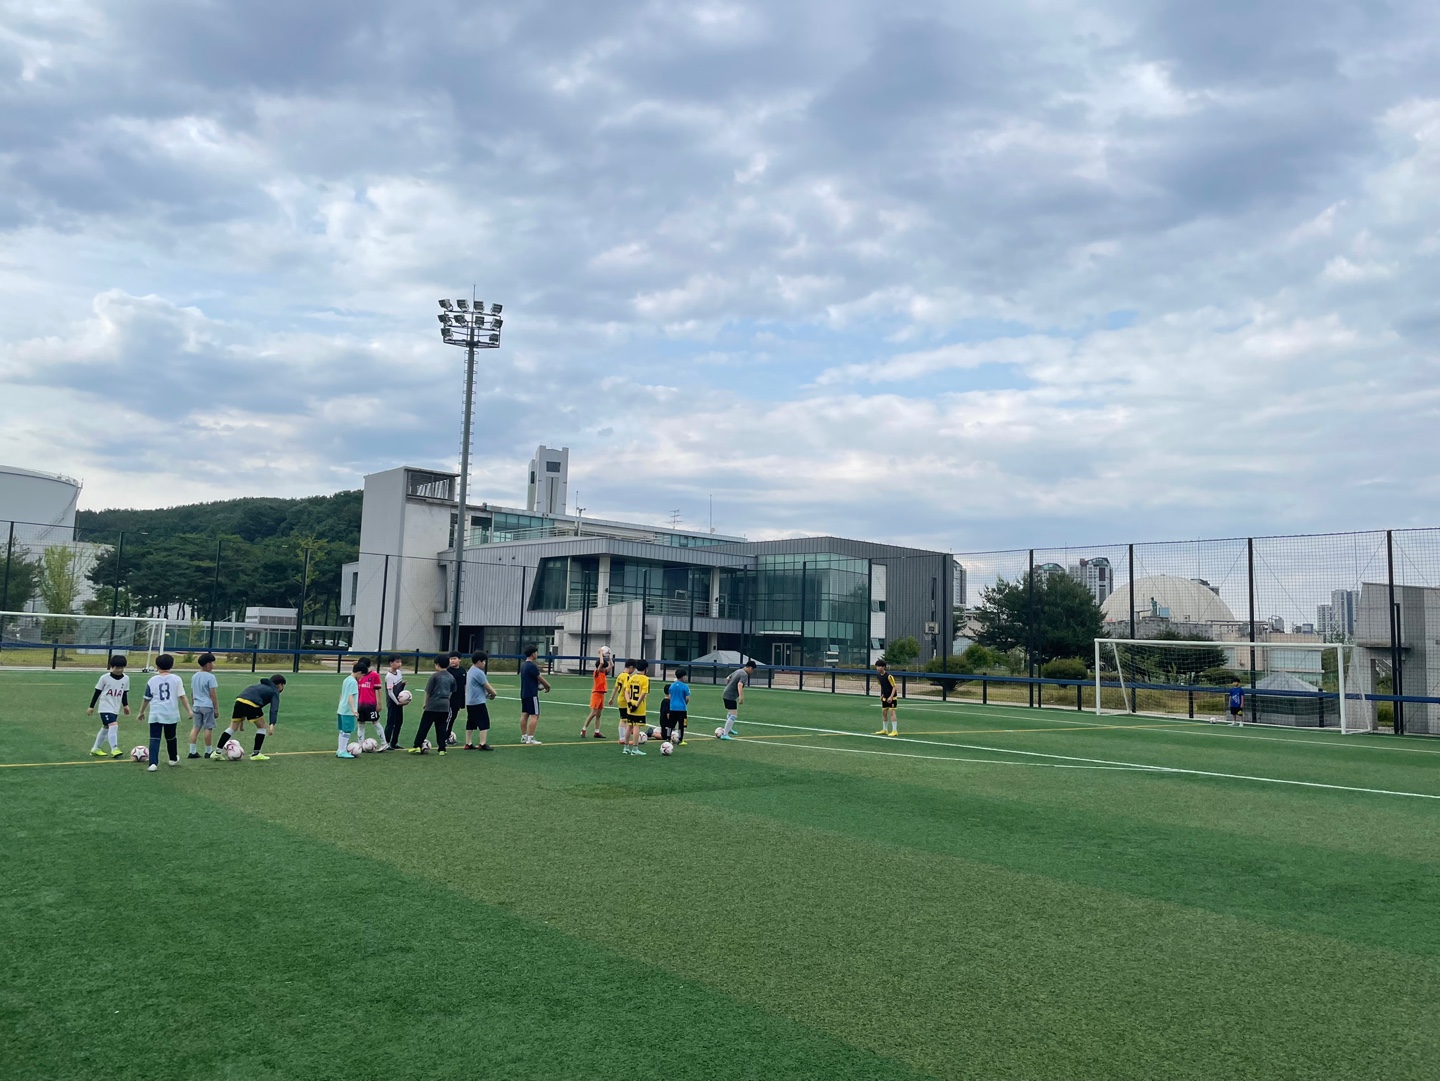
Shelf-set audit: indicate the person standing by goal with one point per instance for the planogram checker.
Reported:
(1236, 702)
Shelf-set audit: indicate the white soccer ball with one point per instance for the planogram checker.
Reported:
(719, 732)
(643, 737)
(369, 746)
(452, 740)
(667, 747)
(354, 748)
(140, 754)
(404, 698)
(233, 751)
(425, 746)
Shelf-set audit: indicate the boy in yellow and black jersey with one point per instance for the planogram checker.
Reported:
(621, 696)
(889, 699)
(638, 688)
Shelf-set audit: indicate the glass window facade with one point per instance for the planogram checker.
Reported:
(816, 604)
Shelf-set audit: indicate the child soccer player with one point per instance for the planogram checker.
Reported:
(665, 711)
(622, 694)
(597, 699)
(368, 685)
(250, 706)
(349, 708)
(164, 695)
(437, 705)
(457, 698)
(477, 692)
(112, 694)
(679, 705)
(205, 703)
(889, 699)
(394, 708)
(733, 696)
(639, 689)
(1237, 704)
(530, 683)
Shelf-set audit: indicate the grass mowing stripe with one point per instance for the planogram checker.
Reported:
(348, 969)
(770, 741)
(1102, 761)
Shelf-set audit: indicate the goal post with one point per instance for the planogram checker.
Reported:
(74, 640)
(1292, 684)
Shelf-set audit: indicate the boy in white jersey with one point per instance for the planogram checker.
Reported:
(205, 701)
(112, 695)
(164, 695)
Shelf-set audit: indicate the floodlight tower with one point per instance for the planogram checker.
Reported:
(466, 324)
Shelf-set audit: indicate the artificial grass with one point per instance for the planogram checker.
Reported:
(790, 904)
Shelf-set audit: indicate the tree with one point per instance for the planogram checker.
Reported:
(1060, 620)
(901, 652)
(60, 572)
(24, 579)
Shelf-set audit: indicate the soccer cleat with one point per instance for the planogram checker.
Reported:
(259, 758)
(343, 754)
(893, 732)
(116, 752)
(883, 732)
(484, 747)
(638, 751)
(174, 761)
(726, 735)
(151, 768)
(441, 753)
(414, 750)
(534, 742)
(599, 734)
(192, 755)
(98, 753)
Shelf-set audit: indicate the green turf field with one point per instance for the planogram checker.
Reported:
(999, 893)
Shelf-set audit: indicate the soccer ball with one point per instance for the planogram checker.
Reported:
(451, 741)
(719, 732)
(404, 698)
(140, 754)
(667, 747)
(232, 750)
(643, 737)
(425, 747)
(354, 748)
(369, 746)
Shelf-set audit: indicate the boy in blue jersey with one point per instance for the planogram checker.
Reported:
(679, 705)
(1237, 704)
(530, 683)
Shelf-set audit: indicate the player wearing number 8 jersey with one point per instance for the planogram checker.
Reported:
(164, 695)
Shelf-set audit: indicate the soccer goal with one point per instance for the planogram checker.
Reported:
(68, 640)
(1295, 684)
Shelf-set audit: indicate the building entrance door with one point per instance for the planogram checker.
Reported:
(780, 653)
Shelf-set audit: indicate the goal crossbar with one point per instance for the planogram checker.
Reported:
(39, 639)
(1159, 666)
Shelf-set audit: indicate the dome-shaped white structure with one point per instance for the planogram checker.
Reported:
(42, 505)
(1182, 600)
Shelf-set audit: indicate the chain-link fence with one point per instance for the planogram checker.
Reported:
(1031, 615)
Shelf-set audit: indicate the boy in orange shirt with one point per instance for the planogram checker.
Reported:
(598, 684)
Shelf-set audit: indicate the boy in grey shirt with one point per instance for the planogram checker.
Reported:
(205, 704)
(733, 695)
(438, 689)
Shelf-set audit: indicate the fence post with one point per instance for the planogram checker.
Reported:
(384, 590)
(55, 654)
(254, 658)
(1079, 698)
(984, 692)
(1030, 629)
(1397, 682)
(802, 675)
(904, 686)
(215, 596)
(1132, 592)
(9, 551)
(832, 681)
(1250, 577)
(417, 662)
(1192, 705)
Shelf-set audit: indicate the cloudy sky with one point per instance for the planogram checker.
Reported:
(962, 274)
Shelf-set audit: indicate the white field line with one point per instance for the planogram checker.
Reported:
(1103, 761)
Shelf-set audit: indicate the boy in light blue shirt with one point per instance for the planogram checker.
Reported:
(348, 709)
(679, 705)
(204, 703)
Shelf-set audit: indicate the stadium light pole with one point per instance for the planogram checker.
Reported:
(466, 324)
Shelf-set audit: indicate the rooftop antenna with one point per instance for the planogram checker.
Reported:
(712, 512)
(674, 518)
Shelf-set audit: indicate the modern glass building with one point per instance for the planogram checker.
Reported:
(573, 584)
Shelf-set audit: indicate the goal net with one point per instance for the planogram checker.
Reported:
(1296, 684)
(68, 640)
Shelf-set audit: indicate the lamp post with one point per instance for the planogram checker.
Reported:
(466, 324)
